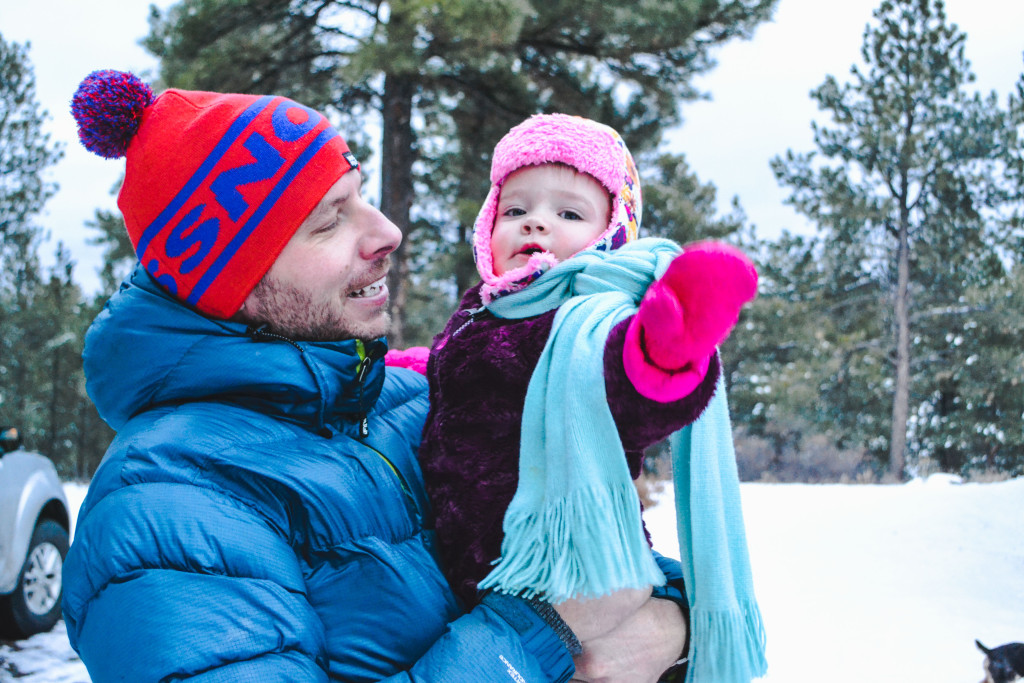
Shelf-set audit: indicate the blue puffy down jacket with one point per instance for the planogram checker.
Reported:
(239, 529)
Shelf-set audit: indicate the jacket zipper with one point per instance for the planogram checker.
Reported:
(411, 503)
(262, 334)
(366, 360)
(473, 313)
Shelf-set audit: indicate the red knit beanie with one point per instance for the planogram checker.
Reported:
(215, 184)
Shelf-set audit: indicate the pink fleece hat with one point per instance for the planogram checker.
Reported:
(589, 147)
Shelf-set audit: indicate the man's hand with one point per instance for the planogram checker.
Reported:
(590, 618)
(640, 650)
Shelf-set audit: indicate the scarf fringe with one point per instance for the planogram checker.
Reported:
(587, 544)
(727, 646)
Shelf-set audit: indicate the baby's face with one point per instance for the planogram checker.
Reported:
(551, 208)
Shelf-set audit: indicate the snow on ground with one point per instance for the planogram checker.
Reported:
(881, 583)
(43, 658)
(856, 583)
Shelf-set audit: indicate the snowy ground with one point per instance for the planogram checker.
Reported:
(882, 583)
(856, 583)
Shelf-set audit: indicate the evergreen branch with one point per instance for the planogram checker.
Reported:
(925, 183)
(941, 311)
(337, 31)
(482, 90)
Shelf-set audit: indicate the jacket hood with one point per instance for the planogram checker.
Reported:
(147, 349)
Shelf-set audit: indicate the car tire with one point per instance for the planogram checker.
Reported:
(34, 606)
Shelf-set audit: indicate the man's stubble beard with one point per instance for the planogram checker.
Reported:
(291, 312)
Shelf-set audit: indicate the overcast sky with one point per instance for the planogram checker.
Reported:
(760, 104)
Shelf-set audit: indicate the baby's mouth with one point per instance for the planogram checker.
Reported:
(530, 250)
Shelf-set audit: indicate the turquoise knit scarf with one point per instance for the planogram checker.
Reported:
(573, 528)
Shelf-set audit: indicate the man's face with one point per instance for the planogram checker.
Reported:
(328, 284)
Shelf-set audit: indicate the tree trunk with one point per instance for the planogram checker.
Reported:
(901, 306)
(21, 386)
(83, 432)
(901, 396)
(55, 373)
(465, 270)
(396, 194)
(55, 378)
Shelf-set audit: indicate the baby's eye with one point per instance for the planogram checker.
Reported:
(513, 212)
(570, 215)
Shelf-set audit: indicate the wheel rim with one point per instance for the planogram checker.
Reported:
(42, 580)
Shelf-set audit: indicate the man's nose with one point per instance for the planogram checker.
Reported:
(380, 237)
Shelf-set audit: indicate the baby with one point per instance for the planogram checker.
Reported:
(553, 376)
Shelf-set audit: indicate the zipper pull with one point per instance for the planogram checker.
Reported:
(473, 312)
(374, 352)
(363, 369)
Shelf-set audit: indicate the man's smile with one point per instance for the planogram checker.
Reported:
(372, 289)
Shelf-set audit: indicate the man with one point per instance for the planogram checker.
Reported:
(261, 514)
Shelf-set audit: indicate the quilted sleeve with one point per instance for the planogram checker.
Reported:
(194, 586)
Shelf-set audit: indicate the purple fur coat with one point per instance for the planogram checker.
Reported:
(479, 370)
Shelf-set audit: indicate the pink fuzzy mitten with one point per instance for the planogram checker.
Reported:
(414, 358)
(684, 315)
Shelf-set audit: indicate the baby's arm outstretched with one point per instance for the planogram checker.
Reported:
(684, 315)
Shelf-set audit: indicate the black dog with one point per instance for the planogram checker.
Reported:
(1003, 664)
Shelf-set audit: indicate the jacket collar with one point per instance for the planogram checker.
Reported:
(148, 349)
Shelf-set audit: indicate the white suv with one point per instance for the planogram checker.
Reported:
(34, 529)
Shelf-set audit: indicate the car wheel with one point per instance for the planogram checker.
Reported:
(34, 606)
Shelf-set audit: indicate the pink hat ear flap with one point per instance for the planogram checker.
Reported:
(482, 230)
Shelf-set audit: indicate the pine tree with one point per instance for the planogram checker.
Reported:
(20, 281)
(43, 316)
(25, 150)
(118, 253)
(58, 360)
(25, 154)
(910, 191)
(678, 206)
(464, 70)
(973, 417)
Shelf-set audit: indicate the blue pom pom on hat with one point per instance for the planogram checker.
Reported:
(108, 107)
